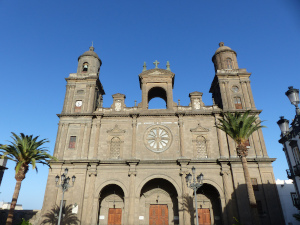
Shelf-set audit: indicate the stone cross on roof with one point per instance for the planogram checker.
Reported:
(144, 67)
(156, 63)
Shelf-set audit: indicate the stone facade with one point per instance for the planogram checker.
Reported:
(131, 162)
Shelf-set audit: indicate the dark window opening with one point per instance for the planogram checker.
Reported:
(85, 67)
(294, 198)
(158, 98)
(72, 142)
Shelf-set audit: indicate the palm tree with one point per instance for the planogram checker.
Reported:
(239, 127)
(24, 150)
(68, 217)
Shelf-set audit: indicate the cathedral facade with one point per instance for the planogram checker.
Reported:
(130, 163)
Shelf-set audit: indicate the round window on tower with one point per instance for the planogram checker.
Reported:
(235, 89)
(85, 67)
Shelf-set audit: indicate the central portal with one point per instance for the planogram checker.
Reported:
(114, 216)
(158, 215)
(204, 217)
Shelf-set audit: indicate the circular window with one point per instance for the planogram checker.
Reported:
(235, 89)
(158, 138)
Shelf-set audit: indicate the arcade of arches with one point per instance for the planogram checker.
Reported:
(159, 204)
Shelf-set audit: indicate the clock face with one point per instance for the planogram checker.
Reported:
(78, 103)
(235, 89)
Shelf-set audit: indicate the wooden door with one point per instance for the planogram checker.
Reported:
(158, 215)
(204, 216)
(114, 216)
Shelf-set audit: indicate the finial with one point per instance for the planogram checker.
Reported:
(92, 48)
(221, 44)
(168, 66)
(134, 103)
(156, 63)
(144, 67)
(92, 44)
(178, 102)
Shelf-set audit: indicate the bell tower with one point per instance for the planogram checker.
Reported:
(157, 83)
(231, 86)
(84, 89)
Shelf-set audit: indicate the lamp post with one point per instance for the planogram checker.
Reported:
(293, 95)
(194, 184)
(289, 136)
(64, 185)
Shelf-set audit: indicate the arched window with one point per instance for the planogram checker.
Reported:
(115, 145)
(85, 67)
(201, 147)
(237, 102)
(228, 63)
(159, 96)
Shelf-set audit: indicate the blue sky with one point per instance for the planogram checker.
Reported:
(40, 42)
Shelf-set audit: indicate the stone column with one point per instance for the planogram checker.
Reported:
(228, 191)
(134, 123)
(91, 99)
(80, 140)
(229, 101)
(183, 201)
(71, 100)
(223, 94)
(60, 126)
(232, 147)
(64, 140)
(246, 95)
(144, 96)
(169, 96)
(86, 98)
(86, 140)
(220, 140)
(98, 126)
(262, 143)
(132, 174)
(257, 145)
(250, 94)
(66, 98)
(88, 209)
(181, 135)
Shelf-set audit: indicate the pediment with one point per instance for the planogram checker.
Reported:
(199, 128)
(157, 72)
(116, 130)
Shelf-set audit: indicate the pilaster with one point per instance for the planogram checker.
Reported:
(245, 94)
(181, 135)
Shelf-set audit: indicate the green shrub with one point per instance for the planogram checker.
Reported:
(24, 222)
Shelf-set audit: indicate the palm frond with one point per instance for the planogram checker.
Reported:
(26, 150)
(239, 126)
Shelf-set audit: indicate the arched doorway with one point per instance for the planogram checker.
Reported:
(111, 205)
(159, 203)
(209, 205)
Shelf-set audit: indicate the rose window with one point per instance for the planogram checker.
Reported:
(158, 138)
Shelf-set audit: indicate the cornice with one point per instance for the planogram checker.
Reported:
(146, 113)
(167, 161)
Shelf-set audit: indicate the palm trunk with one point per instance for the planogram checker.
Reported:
(251, 196)
(13, 203)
